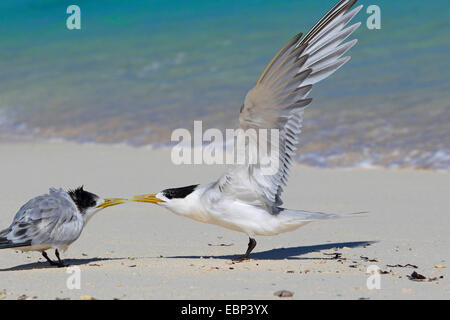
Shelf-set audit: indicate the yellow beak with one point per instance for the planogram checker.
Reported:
(111, 202)
(151, 198)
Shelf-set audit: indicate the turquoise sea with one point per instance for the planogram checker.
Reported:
(139, 69)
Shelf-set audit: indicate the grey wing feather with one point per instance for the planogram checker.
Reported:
(279, 98)
(51, 219)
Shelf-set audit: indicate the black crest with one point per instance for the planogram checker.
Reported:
(179, 193)
(83, 199)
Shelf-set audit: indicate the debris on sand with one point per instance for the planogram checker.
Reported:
(336, 255)
(402, 266)
(283, 294)
(95, 264)
(25, 297)
(435, 278)
(416, 276)
(367, 259)
(419, 277)
(221, 245)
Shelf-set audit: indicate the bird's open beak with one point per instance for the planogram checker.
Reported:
(151, 198)
(111, 202)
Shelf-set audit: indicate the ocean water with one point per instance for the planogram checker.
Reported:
(139, 69)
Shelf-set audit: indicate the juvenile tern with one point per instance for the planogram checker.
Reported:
(245, 199)
(54, 220)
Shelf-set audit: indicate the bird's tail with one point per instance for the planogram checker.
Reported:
(312, 216)
(5, 243)
(3, 233)
(8, 244)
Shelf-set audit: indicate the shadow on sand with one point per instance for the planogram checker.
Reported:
(68, 262)
(291, 253)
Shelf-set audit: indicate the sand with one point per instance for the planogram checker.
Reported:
(140, 251)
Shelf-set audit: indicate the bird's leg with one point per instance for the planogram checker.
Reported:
(251, 246)
(53, 263)
(60, 264)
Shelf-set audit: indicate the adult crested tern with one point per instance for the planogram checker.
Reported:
(246, 199)
(54, 220)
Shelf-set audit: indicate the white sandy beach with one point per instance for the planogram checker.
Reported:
(140, 251)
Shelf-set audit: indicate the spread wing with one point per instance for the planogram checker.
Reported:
(279, 98)
(49, 219)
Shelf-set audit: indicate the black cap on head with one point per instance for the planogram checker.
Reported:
(83, 199)
(179, 193)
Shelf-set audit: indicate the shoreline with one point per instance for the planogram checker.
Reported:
(165, 148)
